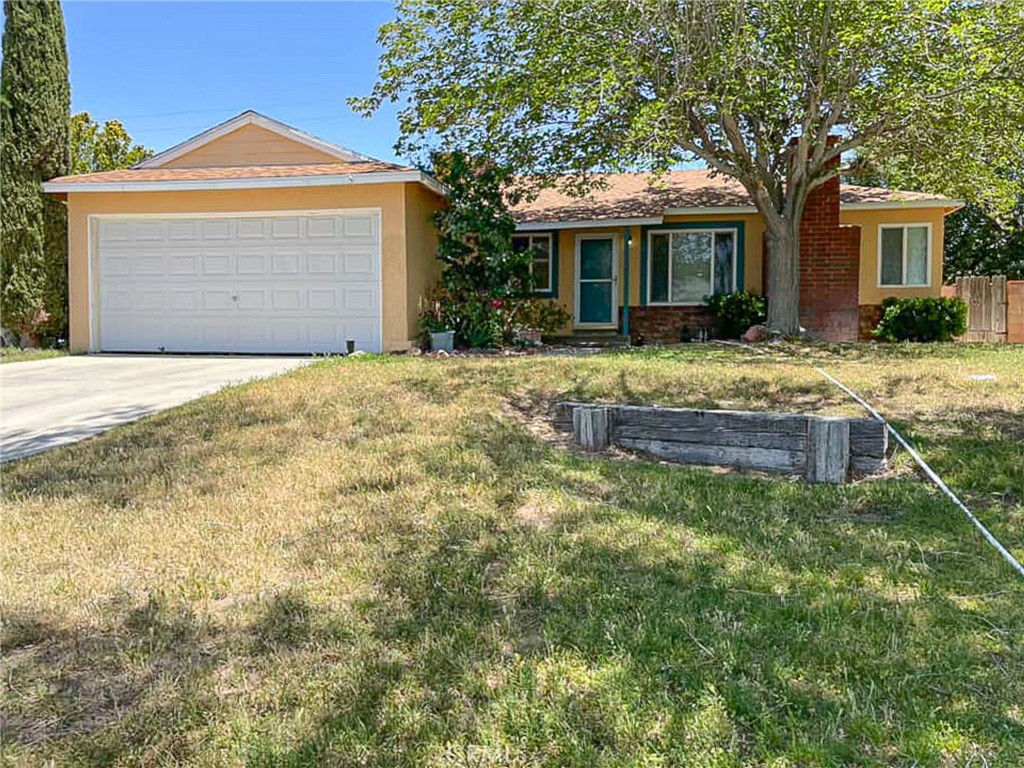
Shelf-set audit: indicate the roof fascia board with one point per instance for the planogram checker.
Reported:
(710, 210)
(251, 183)
(545, 226)
(248, 118)
(896, 205)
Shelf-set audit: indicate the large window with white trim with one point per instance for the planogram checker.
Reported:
(904, 255)
(542, 264)
(685, 265)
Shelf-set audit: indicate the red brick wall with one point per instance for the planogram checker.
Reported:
(665, 325)
(829, 269)
(1015, 311)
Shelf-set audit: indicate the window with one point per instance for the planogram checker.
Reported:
(904, 255)
(540, 247)
(686, 265)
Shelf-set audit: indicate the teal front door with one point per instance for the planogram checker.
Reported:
(596, 277)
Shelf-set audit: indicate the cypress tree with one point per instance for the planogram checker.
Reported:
(35, 111)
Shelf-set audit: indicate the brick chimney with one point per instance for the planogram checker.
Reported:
(829, 266)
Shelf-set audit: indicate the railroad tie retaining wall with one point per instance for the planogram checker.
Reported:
(821, 449)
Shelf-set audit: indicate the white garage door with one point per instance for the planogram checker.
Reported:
(269, 283)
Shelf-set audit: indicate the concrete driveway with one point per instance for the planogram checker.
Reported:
(53, 402)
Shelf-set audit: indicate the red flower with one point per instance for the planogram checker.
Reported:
(497, 304)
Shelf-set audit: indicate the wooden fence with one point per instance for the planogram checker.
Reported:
(995, 307)
(820, 449)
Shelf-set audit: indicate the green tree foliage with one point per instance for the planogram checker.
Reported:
(481, 272)
(34, 115)
(754, 88)
(102, 148)
(978, 244)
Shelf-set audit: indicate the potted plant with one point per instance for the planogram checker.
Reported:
(534, 317)
(436, 328)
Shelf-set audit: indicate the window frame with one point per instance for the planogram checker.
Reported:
(711, 279)
(550, 236)
(903, 256)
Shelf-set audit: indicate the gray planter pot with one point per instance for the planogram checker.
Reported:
(442, 341)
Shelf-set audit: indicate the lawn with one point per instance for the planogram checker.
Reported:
(20, 355)
(387, 561)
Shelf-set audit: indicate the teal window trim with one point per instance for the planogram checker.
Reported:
(741, 250)
(552, 293)
(627, 242)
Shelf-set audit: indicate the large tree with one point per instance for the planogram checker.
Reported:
(35, 105)
(102, 148)
(754, 88)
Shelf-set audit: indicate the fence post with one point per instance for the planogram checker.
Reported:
(827, 449)
(592, 426)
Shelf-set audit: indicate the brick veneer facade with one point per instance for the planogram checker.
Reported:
(829, 283)
(667, 325)
(829, 269)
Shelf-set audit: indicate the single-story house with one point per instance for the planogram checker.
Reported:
(256, 237)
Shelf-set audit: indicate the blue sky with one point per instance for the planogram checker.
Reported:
(170, 70)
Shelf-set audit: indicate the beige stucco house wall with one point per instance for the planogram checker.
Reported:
(407, 243)
(408, 264)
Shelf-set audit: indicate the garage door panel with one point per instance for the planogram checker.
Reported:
(286, 229)
(149, 264)
(223, 284)
(322, 261)
(183, 301)
(252, 263)
(360, 263)
(217, 230)
(183, 230)
(150, 231)
(251, 299)
(218, 263)
(252, 229)
(183, 263)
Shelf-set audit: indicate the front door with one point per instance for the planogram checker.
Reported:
(596, 280)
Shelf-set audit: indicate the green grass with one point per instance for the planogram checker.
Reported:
(19, 355)
(388, 561)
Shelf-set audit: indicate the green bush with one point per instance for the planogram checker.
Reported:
(544, 315)
(922, 319)
(734, 313)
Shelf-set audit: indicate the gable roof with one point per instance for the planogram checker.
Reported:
(241, 177)
(250, 117)
(639, 198)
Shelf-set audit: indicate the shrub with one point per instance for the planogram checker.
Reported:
(482, 272)
(939, 319)
(544, 315)
(734, 313)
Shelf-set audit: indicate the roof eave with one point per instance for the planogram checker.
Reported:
(334, 180)
(545, 226)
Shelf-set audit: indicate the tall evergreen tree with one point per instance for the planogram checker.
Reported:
(35, 111)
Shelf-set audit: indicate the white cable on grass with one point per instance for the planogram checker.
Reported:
(915, 455)
(930, 473)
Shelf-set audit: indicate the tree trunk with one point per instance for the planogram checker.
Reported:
(784, 278)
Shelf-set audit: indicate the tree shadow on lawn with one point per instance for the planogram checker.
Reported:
(672, 613)
(980, 455)
(649, 611)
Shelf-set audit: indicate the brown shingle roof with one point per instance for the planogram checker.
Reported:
(640, 195)
(243, 172)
